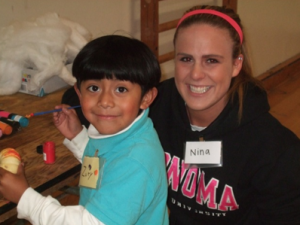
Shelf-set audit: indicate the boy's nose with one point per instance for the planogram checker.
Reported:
(105, 100)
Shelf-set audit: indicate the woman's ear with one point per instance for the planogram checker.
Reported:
(148, 98)
(237, 64)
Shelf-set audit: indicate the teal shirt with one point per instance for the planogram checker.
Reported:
(133, 184)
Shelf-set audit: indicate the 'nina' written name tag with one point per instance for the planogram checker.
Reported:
(206, 153)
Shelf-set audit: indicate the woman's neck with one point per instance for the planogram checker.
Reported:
(198, 118)
(204, 118)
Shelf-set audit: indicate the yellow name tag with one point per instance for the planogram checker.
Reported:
(89, 172)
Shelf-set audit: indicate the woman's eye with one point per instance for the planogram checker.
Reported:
(121, 89)
(212, 61)
(186, 59)
(93, 88)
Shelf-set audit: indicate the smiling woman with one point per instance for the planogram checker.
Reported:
(204, 69)
(213, 98)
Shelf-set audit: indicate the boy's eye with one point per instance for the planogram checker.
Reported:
(93, 88)
(121, 89)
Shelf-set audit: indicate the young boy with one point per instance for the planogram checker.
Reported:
(123, 178)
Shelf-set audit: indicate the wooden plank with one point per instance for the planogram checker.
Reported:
(231, 4)
(277, 74)
(149, 24)
(167, 25)
(277, 93)
(288, 112)
(166, 57)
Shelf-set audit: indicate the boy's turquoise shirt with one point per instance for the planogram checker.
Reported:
(133, 188)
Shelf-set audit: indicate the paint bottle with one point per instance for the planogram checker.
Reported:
(49, 152)
(21, 119)
(6, 129)
(14, 124)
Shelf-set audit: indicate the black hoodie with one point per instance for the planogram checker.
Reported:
(259, 182)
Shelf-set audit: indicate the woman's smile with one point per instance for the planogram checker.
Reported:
(199, 89)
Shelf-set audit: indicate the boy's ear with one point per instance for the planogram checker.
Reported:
(148, 98)
(77, 91)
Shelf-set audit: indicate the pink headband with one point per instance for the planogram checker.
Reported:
(216, 13)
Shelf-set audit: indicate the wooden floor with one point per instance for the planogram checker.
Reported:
(285, 106)
(285, 102)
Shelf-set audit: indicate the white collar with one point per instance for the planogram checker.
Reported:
(93, 132)
(197, 128)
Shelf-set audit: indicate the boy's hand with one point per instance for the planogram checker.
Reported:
(12, 186)
(67, 122)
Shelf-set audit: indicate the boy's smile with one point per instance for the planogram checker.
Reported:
(110, 105)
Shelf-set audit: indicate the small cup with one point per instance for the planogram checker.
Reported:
(49, 152)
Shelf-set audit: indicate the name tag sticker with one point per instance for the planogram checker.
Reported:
(204, 153)
(89, 172)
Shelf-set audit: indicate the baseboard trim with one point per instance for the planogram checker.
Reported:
(276, 75)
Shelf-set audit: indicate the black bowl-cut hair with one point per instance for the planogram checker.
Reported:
(119, 57)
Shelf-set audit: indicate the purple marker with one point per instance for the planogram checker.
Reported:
(54, 110)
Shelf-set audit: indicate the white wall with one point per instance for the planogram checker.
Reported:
(272, 31)
(100, 17)
(272, 26)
